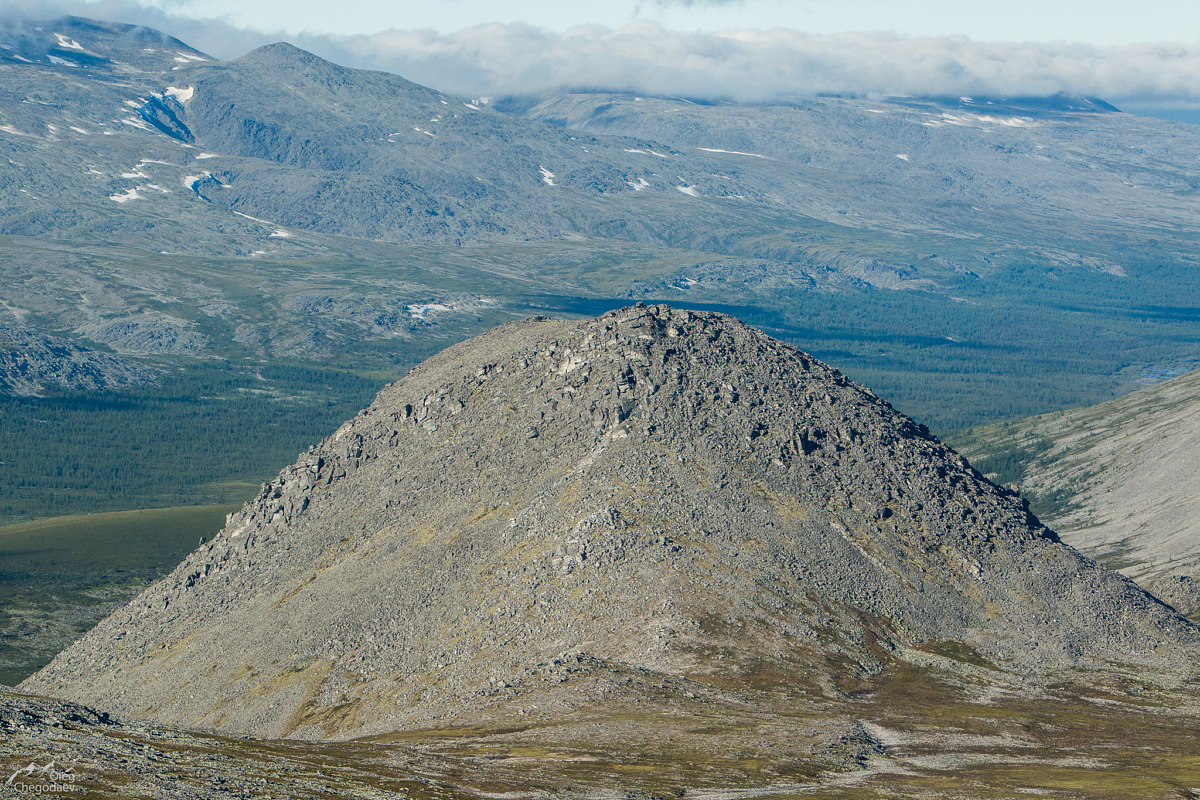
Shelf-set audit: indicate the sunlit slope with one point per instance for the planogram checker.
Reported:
(650, 503)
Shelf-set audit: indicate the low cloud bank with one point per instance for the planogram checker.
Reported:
(764, 65)
(752, 65)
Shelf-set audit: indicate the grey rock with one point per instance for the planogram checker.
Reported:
(31, 364)
(699, 496)
(1123, 476)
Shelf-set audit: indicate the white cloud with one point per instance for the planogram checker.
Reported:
(749, 65)
(761, 65)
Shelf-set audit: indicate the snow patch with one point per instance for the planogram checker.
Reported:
(902, 156)
(184, 58)
(182, 95)
(137, 123)
(472, 105)
(1010, 122)
(137, 173)
(256, 219)
(547, 176)
(690, 191)
(190, 181)
(642, 183)
(729, 152)
(62, 62)
(280, 234)
(12, 130)
(644, 152)
(79, 130)
(202, 156)
(129, 194)
(421, 311)
(978, 120)
(68, 44)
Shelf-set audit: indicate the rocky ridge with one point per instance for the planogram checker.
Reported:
(31, 363)
(1121, 472)
(558, 512)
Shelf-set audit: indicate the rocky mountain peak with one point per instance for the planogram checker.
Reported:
(281, 53)
(558, 508)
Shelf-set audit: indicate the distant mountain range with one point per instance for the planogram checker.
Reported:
(170, 223)
(158, 202)
(285, 136)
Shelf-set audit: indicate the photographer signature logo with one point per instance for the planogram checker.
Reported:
(51, 778)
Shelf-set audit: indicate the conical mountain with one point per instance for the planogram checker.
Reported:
(655, 496)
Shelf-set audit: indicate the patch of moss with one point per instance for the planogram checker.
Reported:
(957, 651)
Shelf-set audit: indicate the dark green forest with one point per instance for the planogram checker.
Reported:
(972, 353)
(206, 435)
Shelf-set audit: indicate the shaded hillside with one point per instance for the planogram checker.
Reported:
(1120, 480)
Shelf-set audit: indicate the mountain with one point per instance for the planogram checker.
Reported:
(656, 505)
(1118, 480)
(678, 558)
(162, 205)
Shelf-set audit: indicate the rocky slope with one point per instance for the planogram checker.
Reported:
(555, 513)
(1123, 475)
(31, 363)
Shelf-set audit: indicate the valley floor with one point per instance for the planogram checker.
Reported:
(925, 737)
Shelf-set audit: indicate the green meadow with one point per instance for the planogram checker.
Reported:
(60, 576)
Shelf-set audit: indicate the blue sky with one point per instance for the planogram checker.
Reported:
(1095, 21)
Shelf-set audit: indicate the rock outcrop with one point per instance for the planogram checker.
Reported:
(31, 363)
(559, 510)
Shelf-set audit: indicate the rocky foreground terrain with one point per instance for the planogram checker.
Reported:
(1123, 478)
(917, 736)
(657, 550)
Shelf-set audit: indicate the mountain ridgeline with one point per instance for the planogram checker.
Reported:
(553, 511)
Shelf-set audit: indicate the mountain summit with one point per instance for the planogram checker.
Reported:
(558, 509)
